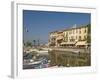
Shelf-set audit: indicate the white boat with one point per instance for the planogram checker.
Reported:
(36, 62)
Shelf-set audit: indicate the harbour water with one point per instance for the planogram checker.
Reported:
(56, 57)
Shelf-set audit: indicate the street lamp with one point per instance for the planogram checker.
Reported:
(38, 42)
(34, 41)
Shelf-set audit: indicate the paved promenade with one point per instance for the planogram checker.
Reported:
(76, 50)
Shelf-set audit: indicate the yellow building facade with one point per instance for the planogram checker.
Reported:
(75, 36)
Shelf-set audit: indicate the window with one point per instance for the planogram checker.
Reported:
(73, 31)
(76, 37)
(85, 30)
(76, 30)
(85, 37)
(79, 38)
(70, 32)
(71, 37)
(80, 31)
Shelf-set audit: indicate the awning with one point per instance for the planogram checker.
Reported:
(63, 43)
(58, 38)
(67, 43)
(81, 43)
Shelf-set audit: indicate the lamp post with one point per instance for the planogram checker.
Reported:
(38, 42)
(34, 42)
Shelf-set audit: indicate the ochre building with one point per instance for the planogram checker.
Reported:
(71, 37)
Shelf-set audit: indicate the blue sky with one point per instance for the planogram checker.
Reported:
(38, 24)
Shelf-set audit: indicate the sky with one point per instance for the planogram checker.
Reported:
(38, 24)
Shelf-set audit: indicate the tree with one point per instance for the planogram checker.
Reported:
(34, 42)
(89, 28)
(28, 44)
(89, 33)
(88, 39)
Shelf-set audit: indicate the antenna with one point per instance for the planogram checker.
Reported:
(74, 26)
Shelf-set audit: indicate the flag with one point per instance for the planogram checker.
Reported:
(26, 30)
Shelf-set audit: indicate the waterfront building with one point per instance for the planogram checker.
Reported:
(71, 37)
(52, 38)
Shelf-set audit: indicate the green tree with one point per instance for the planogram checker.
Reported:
(28, 44)
(89, 28)
(89, 33)
(34, 42)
